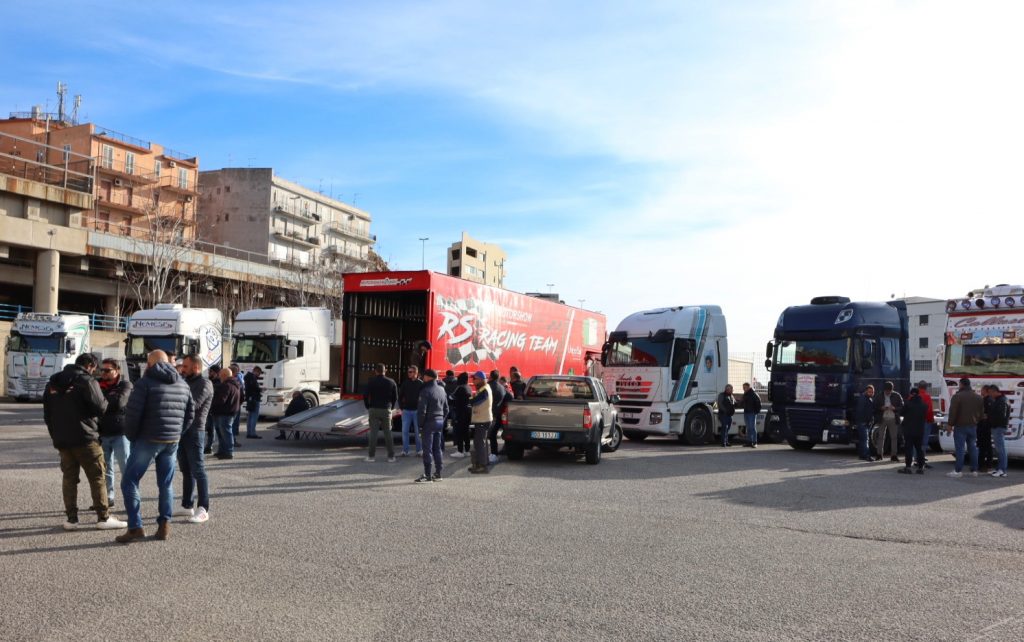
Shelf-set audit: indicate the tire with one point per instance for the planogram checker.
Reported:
(773, 432)
(311, 399)
(635, 436)
(800, 445)
(514, 452)
(698, 429)
(615, 441)
(592, 452)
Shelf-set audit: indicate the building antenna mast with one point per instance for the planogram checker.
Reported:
(74, 108)
(62, 90)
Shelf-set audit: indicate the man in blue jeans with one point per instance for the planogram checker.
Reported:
(863, 418)
(965, 410)
(432, 408)
(408, 401)
(190, 448)
(999, 419)
(116, 390)
(159, 409)
(253, 397)
(227, 399)
(751, 409)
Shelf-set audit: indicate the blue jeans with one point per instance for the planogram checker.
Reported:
(966, 435)
(863, 431)
(433, 435)
(999, 443)
(225, 440)
(409, 421)
(750, 419)
(924, 440)
(234, 424)
(251, 419)
(726, 423)
(193, 468)
(142, 455)
(114, 447)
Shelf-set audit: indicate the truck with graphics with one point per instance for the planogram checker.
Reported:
(40, 346)
(985, 342)
(292, 347)
(469, 327)
(176, 330)
(667, 367)
(823, 355)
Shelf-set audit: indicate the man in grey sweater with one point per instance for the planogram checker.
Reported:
(430, 413)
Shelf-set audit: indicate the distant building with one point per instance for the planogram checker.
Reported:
(477, 261)
(282, 222)
(927, 329)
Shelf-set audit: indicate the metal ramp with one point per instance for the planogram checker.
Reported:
(343, 418)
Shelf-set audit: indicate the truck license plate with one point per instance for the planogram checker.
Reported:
(802, 438)
(544, 435)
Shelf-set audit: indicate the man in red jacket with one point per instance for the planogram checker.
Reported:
(929, 419)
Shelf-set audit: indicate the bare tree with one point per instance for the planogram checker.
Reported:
(159, 269)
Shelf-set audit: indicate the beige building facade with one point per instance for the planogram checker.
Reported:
(477, 261)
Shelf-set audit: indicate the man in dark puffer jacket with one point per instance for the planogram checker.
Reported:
(159, 409)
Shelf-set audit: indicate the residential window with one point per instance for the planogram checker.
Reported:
(227, 189)
(158, 168)
(108, 156)
(129, 162)
(471, 252)
(922, 320)
(455, 271)
(182, 178)
(922, 342)
(922, 365)
(456, 254)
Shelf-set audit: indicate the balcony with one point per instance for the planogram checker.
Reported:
(337, 252)
(302, 239)
(29, 160)
(121, 171)
(137, 205)
(175, 156)
(123, 139)
(173, 183)
(302, 216)
(341, 229)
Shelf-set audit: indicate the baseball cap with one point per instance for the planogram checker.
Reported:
(479, 374)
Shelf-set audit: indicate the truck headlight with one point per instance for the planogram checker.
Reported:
(655, 418)
(275, 399)
(840, 422)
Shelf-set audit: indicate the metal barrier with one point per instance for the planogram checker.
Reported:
(103, 322)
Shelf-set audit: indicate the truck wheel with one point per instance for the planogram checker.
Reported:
(697, 430)
(615, 440)
(773, 432)
(635, 436)
(800, 445)
(311, 399)
(592, 452)
(514, 452)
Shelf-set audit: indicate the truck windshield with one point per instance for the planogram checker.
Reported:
(139, 347)
(800, 353)
(47, 343)
(639, 353)
(985, 359)
(259, 349)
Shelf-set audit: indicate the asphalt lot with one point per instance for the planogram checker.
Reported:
(659, 542)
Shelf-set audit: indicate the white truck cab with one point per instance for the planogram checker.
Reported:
(176, 330)
(291, 346)
(667, 366)
(40, 346)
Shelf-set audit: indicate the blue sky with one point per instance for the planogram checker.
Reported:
(751, 154)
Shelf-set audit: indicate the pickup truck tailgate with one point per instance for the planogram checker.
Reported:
(536, 415)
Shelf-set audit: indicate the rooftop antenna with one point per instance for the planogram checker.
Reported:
(74, 109)
(62, 90)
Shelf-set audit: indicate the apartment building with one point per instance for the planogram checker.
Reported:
(282, 222)
(477, 261)
(927, 329)
(141, 188)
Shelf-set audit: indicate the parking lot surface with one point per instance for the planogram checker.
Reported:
(658, 542)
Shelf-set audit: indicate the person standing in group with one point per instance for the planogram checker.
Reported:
(408, 401)
(159, 409)
(726, 409)
(482, 420)
(431, 411)
(498, 402)
(985, 432)
(518, 385)
(999, 419)
(450, 383)
(72, 406)
(863, 419)
(751, 409)
(236, 372)
(914, 413)
(214, 376)
(965, 410)
(461, 413)
(298, 404)
(418, 356)
(929, 419)
(888, 407)
(253, 397)
(116, 390)
(190, 446)
(227, 399)
(380, 400)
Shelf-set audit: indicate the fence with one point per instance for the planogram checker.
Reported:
(107, 322)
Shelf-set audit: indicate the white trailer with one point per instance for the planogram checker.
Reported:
(40, 346)
(178, 331)
(667, 366)
(292, 346)
(985, 342)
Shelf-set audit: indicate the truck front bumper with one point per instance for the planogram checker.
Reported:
(816, 425)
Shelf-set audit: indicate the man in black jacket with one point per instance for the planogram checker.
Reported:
(298, 404)
(190, 447)
(461, 415)
(253, 397)
(751, 409)
(499, 397)
(999, 419)
(863, 419)
(115, 390)
(380, 400)
(72, 405)
(914, 411)
(726, 409)
(227, 399)
(408, 399)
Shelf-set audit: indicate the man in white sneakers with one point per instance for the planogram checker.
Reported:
(999, 419)
(965, 410)
(191, 446)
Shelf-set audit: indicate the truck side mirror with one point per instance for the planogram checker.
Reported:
(69, 346)
(291, 352)
(767, 364)
(615, 400)
(769, 350)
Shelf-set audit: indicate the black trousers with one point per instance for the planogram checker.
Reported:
(985, 446)
(492, 435)
(912, 446)
(462, 434)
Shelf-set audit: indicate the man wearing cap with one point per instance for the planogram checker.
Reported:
(430, 413)
(482, 417)
(965, 411)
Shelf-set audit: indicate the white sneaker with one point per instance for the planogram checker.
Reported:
(111, 524)
(391, 460)
(974, 473)
(181, 511)
(998, 473)
(370, 460)
(455, 455)
(72, 526)
(200, 517)
(954, 474)
(493, 459)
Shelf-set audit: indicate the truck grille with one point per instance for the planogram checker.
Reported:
(805, 420)
(35, 385)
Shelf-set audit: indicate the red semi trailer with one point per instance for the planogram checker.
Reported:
(470, 327)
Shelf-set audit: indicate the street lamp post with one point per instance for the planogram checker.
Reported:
(423, 252)
(581, 302)
(550, 285)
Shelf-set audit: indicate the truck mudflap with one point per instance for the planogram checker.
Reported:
(344, 418)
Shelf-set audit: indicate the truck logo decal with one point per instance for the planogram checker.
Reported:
(633, 387)
(843, 316)
(683, 387)
(383, 283)
(151, 324)
(469, 341)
